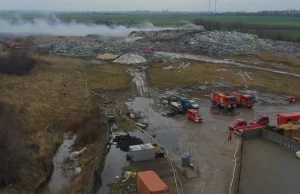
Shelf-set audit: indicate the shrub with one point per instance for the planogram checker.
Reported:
(17, 63)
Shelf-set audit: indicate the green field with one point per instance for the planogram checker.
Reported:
(166, 19)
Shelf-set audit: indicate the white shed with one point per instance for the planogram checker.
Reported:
(142, 152)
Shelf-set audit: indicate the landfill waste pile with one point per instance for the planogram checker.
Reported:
(130, 59)
(124, 141)
(194, 41)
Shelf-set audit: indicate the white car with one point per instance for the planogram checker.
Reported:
(194, 104)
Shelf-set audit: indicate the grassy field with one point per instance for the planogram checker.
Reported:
(198, 73)
(107, 77)
(55, 93)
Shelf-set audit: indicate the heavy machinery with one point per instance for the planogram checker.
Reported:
(223, 100)
(243, 100)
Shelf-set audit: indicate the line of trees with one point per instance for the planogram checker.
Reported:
(262, 31)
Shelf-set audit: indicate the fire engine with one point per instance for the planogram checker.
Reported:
(243, 100)
(225, 101)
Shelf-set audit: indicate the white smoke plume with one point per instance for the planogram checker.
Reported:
(57, 27)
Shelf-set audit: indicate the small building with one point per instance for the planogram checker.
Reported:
(141, 152)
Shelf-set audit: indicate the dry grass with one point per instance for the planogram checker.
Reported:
(279, 59)
(56, 88)
(197, 73)
(82, 181)
(107, 77)
(293, 64)
(88, 156)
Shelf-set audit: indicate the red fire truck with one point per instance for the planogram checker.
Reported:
(243, 100)
(223, 100)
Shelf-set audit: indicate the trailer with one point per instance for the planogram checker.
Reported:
(284, 118)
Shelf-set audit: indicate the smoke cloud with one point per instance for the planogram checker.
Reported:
(57, 27)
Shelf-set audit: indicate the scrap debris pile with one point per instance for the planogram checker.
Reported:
(197, 41)
(124, 141)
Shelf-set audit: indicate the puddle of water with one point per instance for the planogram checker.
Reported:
(114, 161)
(219, 61)
(63, 171)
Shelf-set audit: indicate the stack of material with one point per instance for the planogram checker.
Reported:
(124, 141)
(291, 130)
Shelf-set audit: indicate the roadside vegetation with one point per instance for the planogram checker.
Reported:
(204, 73)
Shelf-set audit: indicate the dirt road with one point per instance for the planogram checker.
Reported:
(268, 168)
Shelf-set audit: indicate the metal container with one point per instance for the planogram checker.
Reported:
(148, 182)
(142, 152)
(185, 159)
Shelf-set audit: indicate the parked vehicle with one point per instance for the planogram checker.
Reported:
(193, 104)
(194, 115)
(284, 118)
(243, 100)
(294, 99)
(238, 123)
(225, 101)
(261, 120)
(148, 182)
(176, 107)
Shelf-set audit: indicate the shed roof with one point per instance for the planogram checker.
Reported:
(152, 181)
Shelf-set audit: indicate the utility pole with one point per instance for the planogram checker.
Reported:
(208, 6)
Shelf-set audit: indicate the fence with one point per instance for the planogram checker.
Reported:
(100, 153)
(281, 140)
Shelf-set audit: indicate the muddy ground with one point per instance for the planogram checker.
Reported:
(207, 142)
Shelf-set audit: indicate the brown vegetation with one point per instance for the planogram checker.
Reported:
(13, 152)
(198, 73)
(107, 77)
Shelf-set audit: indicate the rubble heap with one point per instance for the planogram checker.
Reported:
(214, 43)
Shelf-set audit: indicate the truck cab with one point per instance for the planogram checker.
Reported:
(238, 123)
(260, 120)
(244, 100)
(194, 115)
(225, 101)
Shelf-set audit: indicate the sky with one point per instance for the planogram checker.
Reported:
(152, 5)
